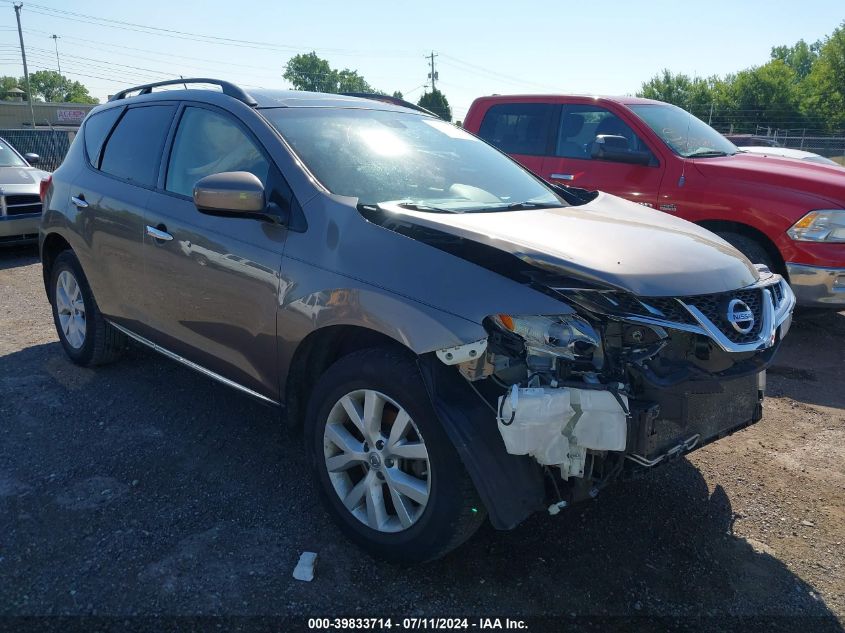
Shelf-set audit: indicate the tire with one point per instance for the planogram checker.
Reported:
(384, 520)
(751, 248)
(87, 338)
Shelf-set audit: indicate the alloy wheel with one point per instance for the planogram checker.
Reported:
(70, 307)
(377, 461)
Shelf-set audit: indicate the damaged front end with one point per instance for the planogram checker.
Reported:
(622, 383)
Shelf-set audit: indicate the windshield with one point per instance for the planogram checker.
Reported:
(417, 161)
(683, 133)
(822, 160)
(8, 157)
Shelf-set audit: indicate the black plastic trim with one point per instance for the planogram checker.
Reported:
(510, 486)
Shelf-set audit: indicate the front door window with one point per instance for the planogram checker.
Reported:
(209, 143)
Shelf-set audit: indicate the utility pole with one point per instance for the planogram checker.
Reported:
(56, 42)
(25, 70)
(433, 74)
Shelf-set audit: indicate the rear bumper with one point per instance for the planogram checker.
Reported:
(15, 229)
(817, 286)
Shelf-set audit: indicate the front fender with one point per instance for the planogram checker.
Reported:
(320, 299)
(510, 486)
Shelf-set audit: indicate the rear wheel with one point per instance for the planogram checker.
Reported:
(387, 470)
(83, 332)
(749, 247)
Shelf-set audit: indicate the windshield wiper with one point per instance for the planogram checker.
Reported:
(516, 206)
(708, 153)
(413, 206)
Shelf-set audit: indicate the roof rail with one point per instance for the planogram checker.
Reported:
(373, 96)
(228, 89)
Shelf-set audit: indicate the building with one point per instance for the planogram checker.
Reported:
(15, 115)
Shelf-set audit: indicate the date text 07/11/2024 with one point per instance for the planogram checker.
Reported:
(415, 624)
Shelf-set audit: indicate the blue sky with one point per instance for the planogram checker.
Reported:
(608, 47)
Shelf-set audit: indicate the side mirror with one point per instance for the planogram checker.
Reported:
(615, 148)
(230, 193)
(32, 159)
(612, 142)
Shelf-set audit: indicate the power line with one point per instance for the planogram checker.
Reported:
(196, 37)
(159, 72)
(47, 58)
(255, 44)
(495, 74)
(99, 61)
(86, 43)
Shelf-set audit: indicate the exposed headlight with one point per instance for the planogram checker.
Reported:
(567, 335)
(820, 226)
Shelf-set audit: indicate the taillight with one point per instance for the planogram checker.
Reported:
(45, 185)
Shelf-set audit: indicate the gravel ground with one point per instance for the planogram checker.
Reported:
(143, 488)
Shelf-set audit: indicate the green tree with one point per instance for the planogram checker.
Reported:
(766, 95)
(705, 98)
(802, 86)
(824, 88)
(48, 85)
(310, 72)
(800, 57)
(669, 87)
(397, 94)
(436, 102)
(351, 81)
(6, 84)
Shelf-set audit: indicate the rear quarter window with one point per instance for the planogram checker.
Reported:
(518, 128)
(134, 149)
(97, 128)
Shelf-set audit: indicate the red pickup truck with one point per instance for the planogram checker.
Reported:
(787, 214)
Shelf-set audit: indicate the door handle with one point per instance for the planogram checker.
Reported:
(79, 201)
(159, 233)
(562, 177)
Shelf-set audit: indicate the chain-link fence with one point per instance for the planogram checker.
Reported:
(50, 145)
(831, 146)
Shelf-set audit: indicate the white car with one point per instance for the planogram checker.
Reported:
(786, 152)
(20, 201)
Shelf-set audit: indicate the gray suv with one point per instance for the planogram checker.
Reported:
(457, 338)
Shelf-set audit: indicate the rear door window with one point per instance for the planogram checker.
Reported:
(97, 128)
(134, 149)
(518, 128)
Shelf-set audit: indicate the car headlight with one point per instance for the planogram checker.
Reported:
(826, 225)
(566, 335)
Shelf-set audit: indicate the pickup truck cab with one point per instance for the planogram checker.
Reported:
(788, 215)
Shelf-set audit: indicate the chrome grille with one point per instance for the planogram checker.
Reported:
(777, 294)
(666, 308)
(770, 303)
(714, 307)
(21, 204)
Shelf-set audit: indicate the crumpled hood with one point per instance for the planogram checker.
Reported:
(824, 181)
(609, 241)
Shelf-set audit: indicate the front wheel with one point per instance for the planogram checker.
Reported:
(388, 472)
(749, 247)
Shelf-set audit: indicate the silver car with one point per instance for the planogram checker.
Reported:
(20, 202)
(457, 338)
